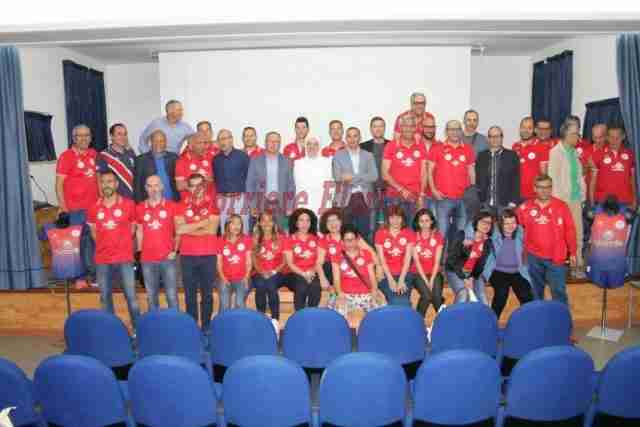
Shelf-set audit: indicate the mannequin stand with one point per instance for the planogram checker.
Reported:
(602, 332)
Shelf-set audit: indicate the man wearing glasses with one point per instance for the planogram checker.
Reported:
(418, 111)
(549, 238)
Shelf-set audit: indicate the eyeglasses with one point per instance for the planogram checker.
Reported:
(486, 222)
(420, 103)
(544, 187)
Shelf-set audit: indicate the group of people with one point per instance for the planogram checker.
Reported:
(370, 221)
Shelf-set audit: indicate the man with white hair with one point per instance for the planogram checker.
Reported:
(418, 111)
(172, 125)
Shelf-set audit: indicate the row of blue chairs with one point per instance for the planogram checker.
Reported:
(314, 337)
(550, 386)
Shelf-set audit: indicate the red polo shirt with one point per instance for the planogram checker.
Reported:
(350, 283)
(531, 156)
(419, 121)
(427, 149)
(330, 151)
(188, 164)
(114, 231)
(158, 229)
(271, 254)
(305, 252)
(293, 152)
(426, 248)
(331, 247)
(405, 165)
(549, 231)
(80, 185)
(234, 257)
(615, 174)
(476, 252)
(451, 173)
(394, 248)
(193, 211)
(254, 152)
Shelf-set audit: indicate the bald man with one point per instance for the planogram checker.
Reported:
(230, 168)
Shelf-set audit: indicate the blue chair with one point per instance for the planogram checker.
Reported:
(396, 331)
(471, 326)
(169, 391)
(79, 391)
(236, 334)
(16, 390)
(550, 385)
(266, 391)
(457, 388)
(362, 390)
(617, 391)
(313, 337)
(534, 325)
(170, 332)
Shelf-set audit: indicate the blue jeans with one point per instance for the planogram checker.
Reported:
(104, 274)
(268, 289)
(199, 273)
(239, 288)
(393, 298)
(152, 272)
(408, 207)
(447, 209)
(555, 275)
(87, 245)
(462, 294)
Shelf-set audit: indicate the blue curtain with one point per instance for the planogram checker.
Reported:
(40, 144)
(85, 102)
(552, 88)
(605, 112)
(20, 263)
(628, 69)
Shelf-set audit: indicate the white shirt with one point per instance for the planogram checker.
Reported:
(310, 175)
(354, 155)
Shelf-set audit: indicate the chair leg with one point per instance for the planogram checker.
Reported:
(630, 308)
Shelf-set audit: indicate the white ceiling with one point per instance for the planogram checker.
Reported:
(141, 43)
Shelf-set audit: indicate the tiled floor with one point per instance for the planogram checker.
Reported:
(28, 352)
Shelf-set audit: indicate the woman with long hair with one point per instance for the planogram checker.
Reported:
(234, 263)
(427, 253)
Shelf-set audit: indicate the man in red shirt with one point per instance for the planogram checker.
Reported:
(195, 159)
(250, 142)
(155, 234)
(451, 170)
(430, 141)
(295, 150)
(196, 221)
(336, 133)
(77, 187)
(533, 154)
(112, 223)
(614, 171)
(418, 111)
(549, 238)
(404, 164)
(204, 127)
(543, 131)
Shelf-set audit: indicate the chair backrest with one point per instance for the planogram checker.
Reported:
(363, 389)
(313, 337)
(17, 391)
(171, 391)
(266, 391)
(98, 334)
(457, 387)
(396, 331)
(551, 384)
(471, 326)
(78, 391)
(619, 385)
(537, 324)
(169, 332)
(240, 333)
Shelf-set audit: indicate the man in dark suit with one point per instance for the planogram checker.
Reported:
(498, 174)
(376, 147)
(159, 162)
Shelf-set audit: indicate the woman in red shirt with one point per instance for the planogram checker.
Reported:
(427, 254)
(268, 262)
(301, 254)
(394, 243)
(234, 263)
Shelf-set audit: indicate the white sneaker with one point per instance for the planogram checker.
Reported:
(276, 325)
(442, 307)
(428, 334)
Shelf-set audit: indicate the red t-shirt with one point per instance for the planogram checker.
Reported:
(331, 247)
(350, 283)
(476, 252)
(395, 248)
(305, 252)
(114, 231)
(405, 167)
(329, 151)
(419, 120)
(254, 152)
(192, 212)
(293, 152)
(584, 150)
(271, 254)
(426, 249)
(188, 164)
(427, 149)
(158, 229)
(80, 183)
(451, 173)
(615, 174)
(234, 258)
(531, 156)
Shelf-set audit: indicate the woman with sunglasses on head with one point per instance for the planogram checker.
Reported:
(427, 253)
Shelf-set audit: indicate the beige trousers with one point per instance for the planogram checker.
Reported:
(576, 214)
